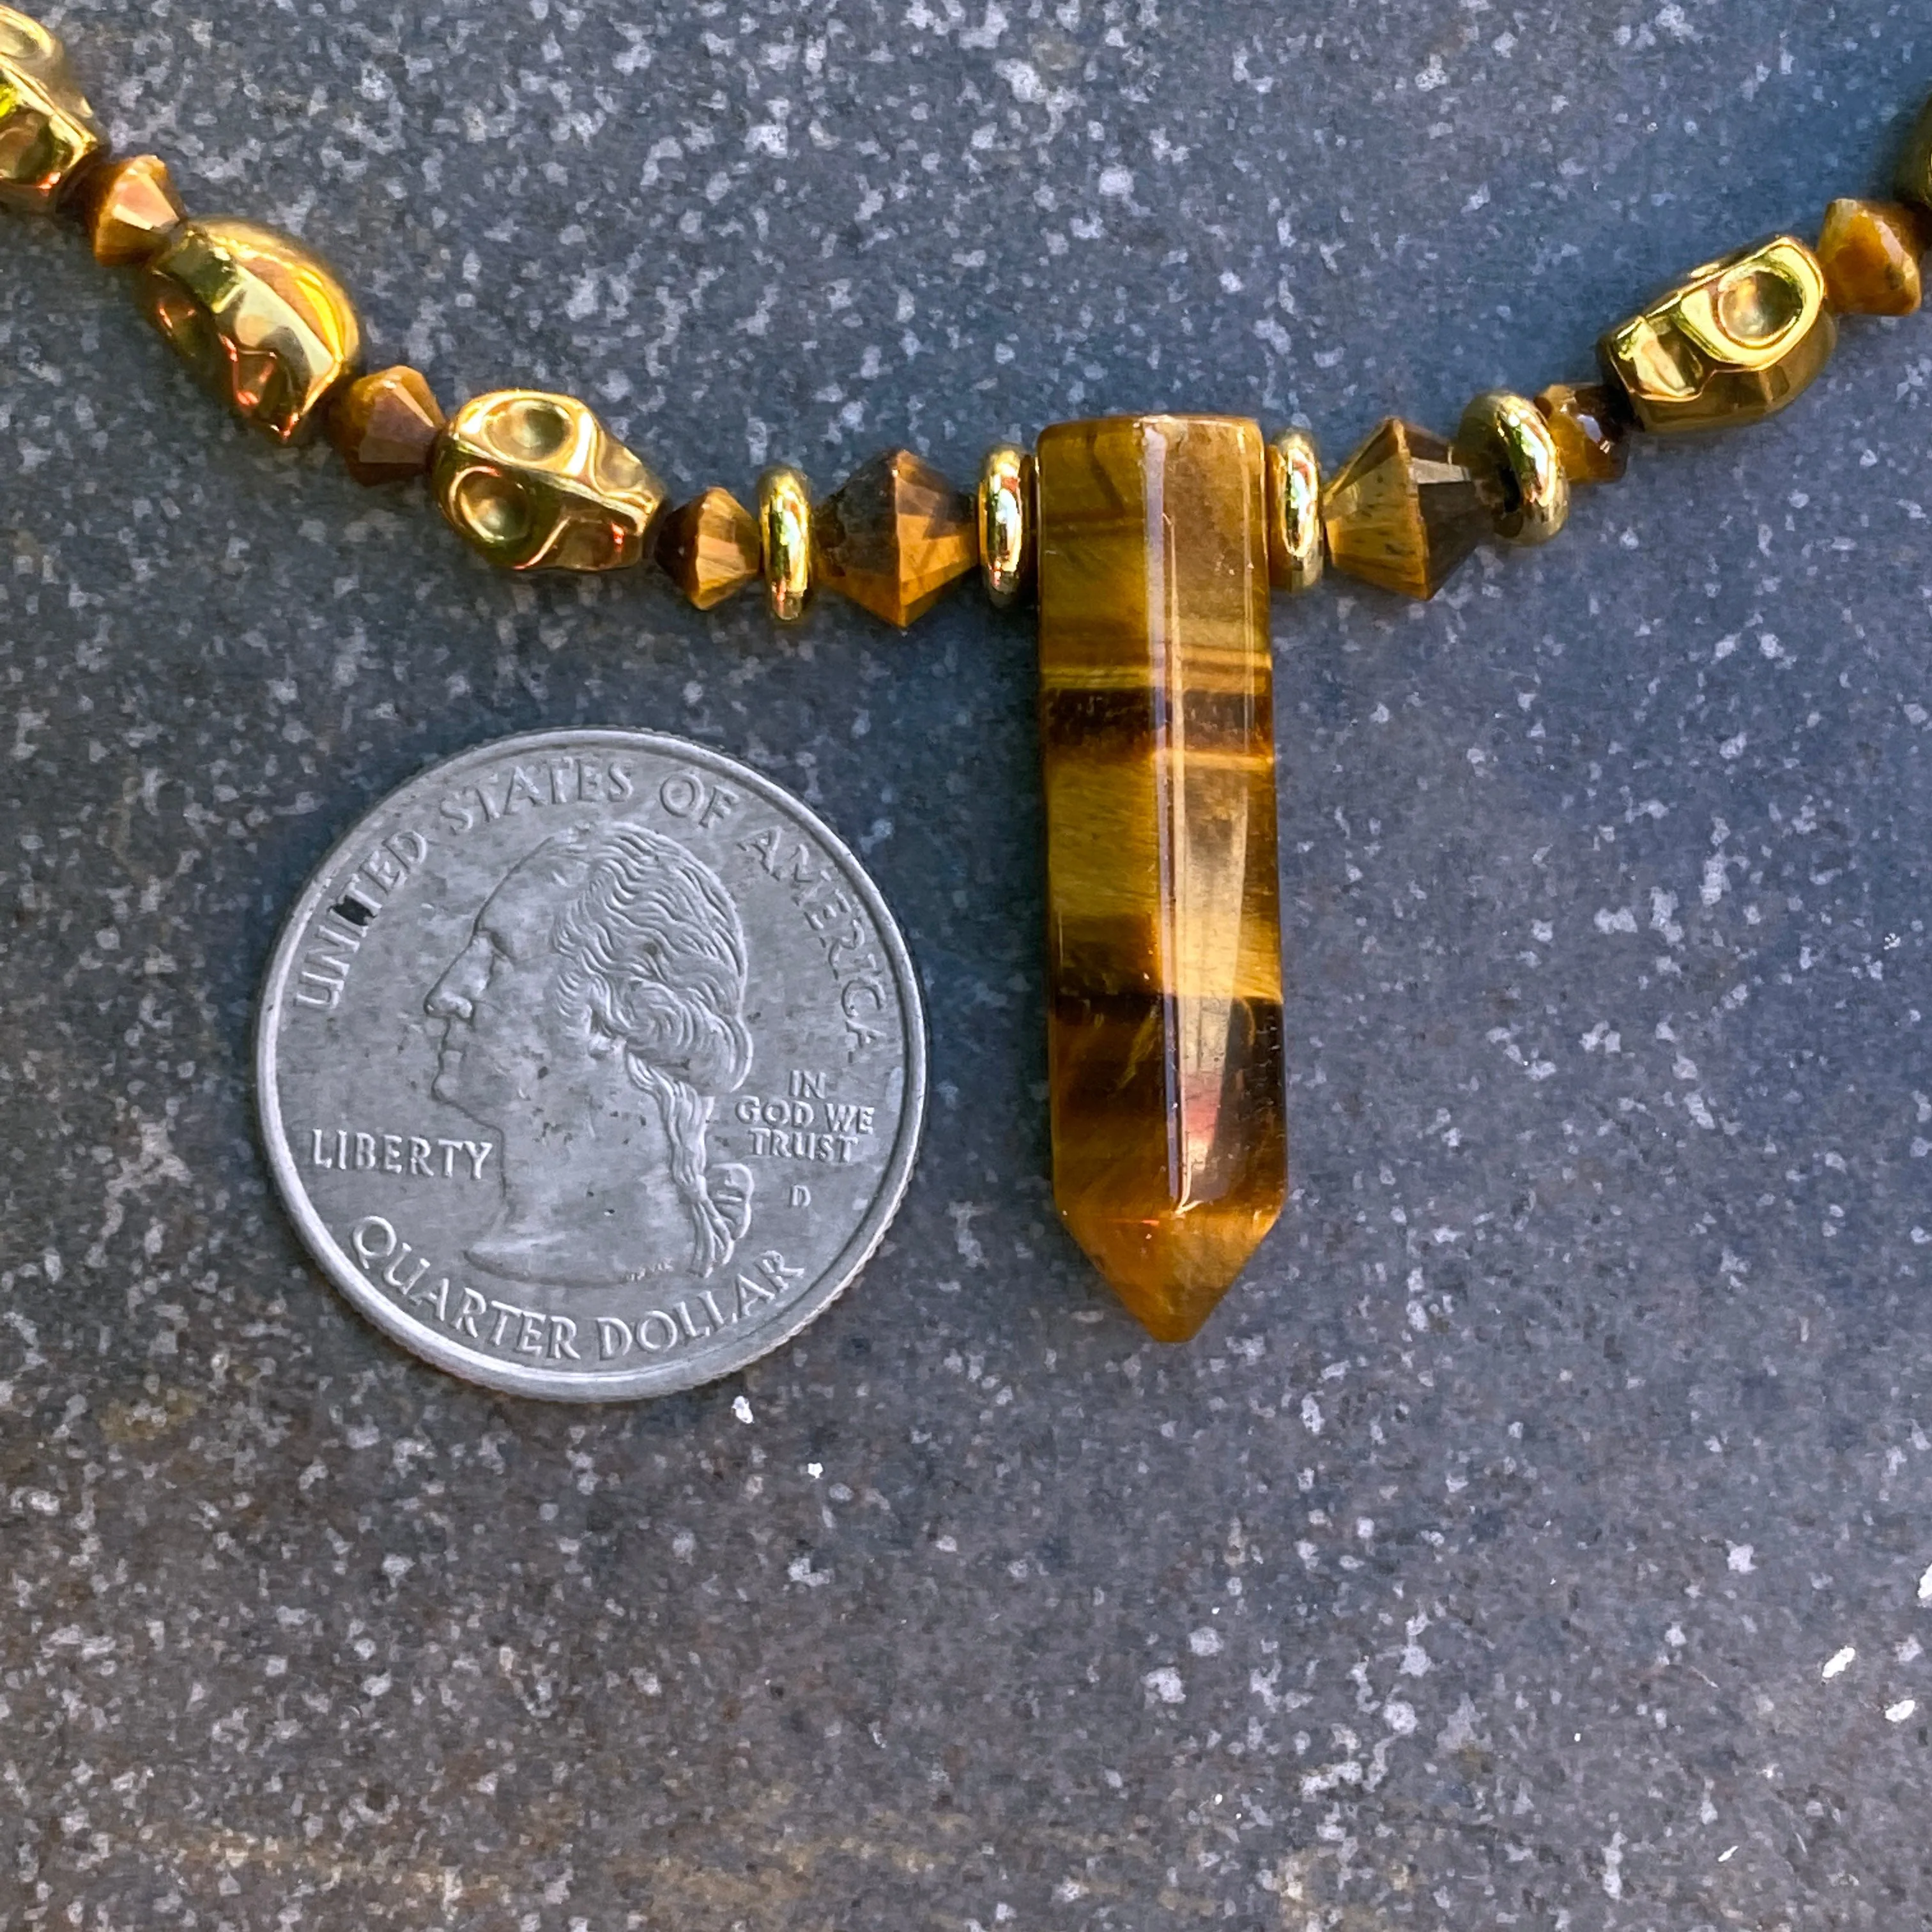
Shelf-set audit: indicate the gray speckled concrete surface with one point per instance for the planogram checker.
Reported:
(1536, 1539)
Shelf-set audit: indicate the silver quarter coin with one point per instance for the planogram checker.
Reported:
(592, 1066)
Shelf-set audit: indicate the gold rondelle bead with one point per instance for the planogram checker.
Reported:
(1733, 343)
(1298, 549)
(48, 134)
(258, 318)
(1008, 523)
(131, 210)
(536, 482)
(784, 540)
(1505, 442)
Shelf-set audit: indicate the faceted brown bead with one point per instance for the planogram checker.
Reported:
(1403, 514)
(1592, 435)
(709, 548)
(131, 209)
(897, 538)
(1166, 1052)
(1870, 252)
(385, 426)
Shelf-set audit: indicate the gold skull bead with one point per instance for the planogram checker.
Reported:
(1733, 343)
(536, 482)
(48, 133)
(258, 318)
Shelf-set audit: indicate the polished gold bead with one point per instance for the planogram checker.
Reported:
(48, 134)
(131, 210)
(709, 548)
(1403, 514)
(1297, 549)
(895, 538)
(1914, 178)
(1870, 252)
(385, 426)
(1733, 344)
(1592, 434)
(1009, 524)
(1505, 443)
(784, 541)
(258, 318)
(536, 482)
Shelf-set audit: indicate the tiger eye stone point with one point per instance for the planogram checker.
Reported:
(131, 208)
(385, 426)
(1166, 1054)
(1870, 252)
(896, 537)
(709, 549)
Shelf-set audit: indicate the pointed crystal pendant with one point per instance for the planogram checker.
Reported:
(896, 538)
(1166, 1053)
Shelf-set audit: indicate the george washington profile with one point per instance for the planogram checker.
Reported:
(593, 1019)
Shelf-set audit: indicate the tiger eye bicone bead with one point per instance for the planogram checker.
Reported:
(1913, 180)
(709, 548)
(1009, 524)
(535, 482)
(1506, 442)
(48, 136)
(1870, 252)
(131, 209)
(258, 319)
(784, 541)
(1298, 549)
(1403, 514)
(1592, 434)
(1734, 343)
(385, 426)
(895, 538)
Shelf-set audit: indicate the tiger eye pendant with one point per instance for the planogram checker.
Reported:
(1164, 974)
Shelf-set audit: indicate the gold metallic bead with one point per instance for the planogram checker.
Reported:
(1914, 178)
(131, 210)
(1008, 523)
(536, 482)
(1403, 514)
(385, 426)
(1505, 442)
(1298, 549)
(784, 537)
(1733, 343)
(258, 319)
(1592, 434)
(48, 133)
(1870, 252)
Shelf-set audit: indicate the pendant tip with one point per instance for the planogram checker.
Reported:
(1172, 1270)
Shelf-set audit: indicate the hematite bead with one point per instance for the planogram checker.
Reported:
(1592, 435)
(1505, 442)
(48, 136)
(1164, 972)
(895, 538)
(1298, 549)
(1870, 252)
(258, 318)
(1008, 520)
(385, 426)
(536, 482)
(785, 541)
(1403, 514)
(709, 548)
